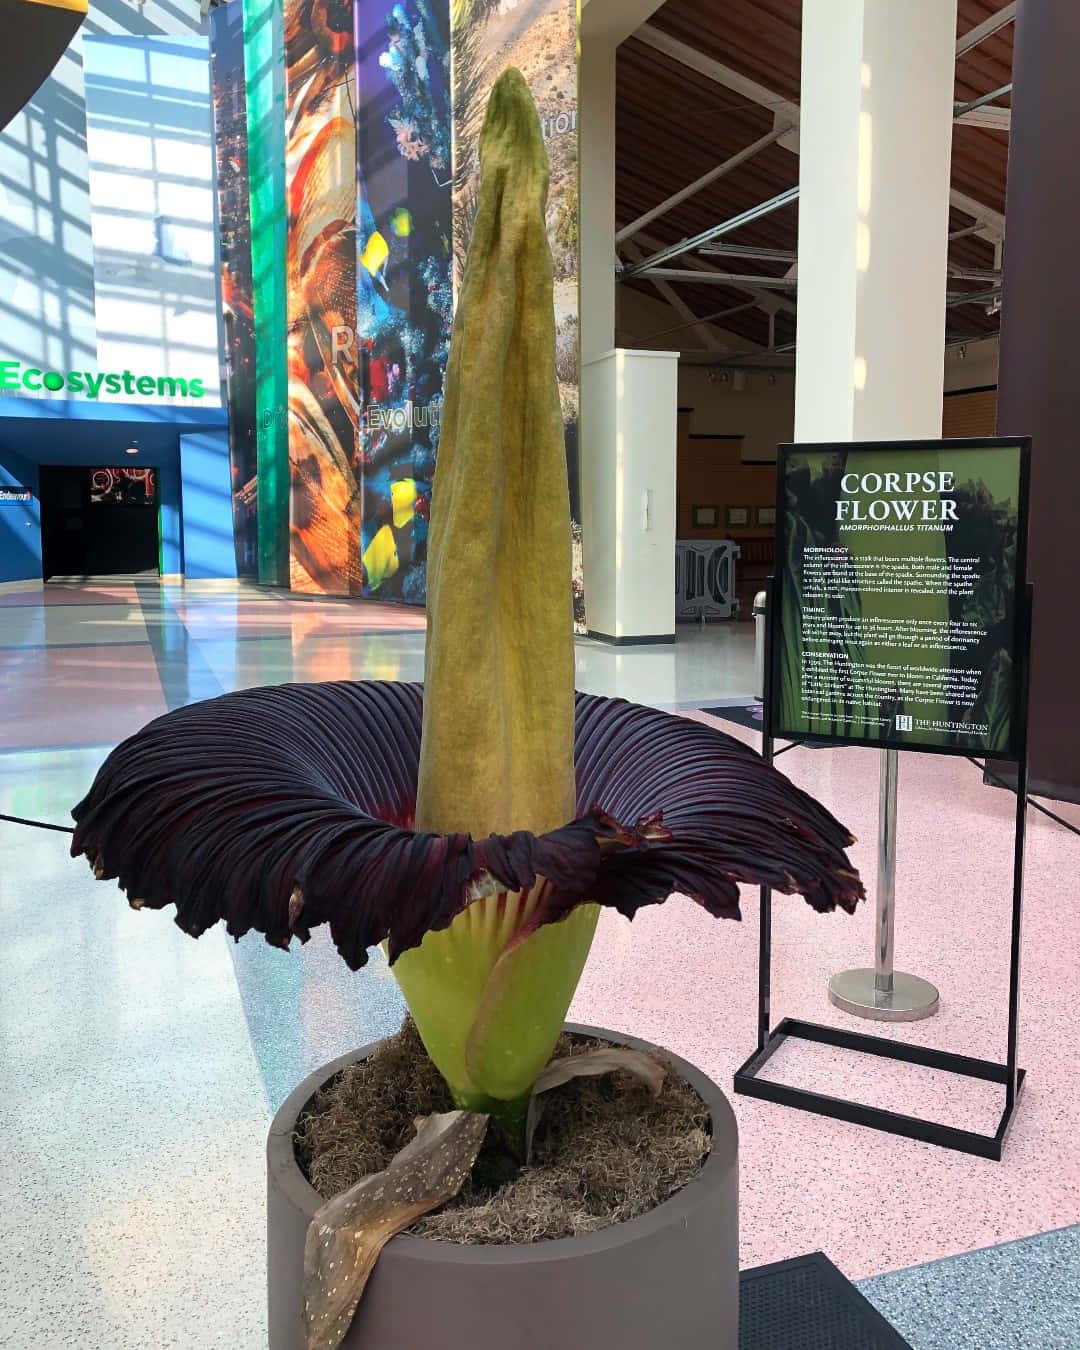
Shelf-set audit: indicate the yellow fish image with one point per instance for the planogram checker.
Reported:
(381, 558)
(403, 495)
(375, 254)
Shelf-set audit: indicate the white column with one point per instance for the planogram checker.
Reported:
(604, 24)
(875, 148)
(875, 140)
(628, 432)
(628, 399)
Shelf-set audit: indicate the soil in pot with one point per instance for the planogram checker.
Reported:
(605, 1150)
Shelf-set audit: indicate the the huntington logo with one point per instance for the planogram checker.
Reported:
(14, 375)
(406, 418)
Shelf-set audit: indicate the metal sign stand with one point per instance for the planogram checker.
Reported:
(885, 994)
(1009, 1075)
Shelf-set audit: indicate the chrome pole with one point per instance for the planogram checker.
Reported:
(885, 994)
(886, 872)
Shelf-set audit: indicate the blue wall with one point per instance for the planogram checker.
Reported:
(170, 520)
(189, 448)
(20, 522)
(206, 487)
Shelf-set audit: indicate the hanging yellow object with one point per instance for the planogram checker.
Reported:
(403, 495)
(381, 558)
(375, 254)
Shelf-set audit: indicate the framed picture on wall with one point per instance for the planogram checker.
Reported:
(738, 516)
(706, 517)
(765, 515)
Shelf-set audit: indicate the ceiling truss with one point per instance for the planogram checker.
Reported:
(988, 223)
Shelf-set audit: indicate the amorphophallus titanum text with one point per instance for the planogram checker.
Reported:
(476, 825)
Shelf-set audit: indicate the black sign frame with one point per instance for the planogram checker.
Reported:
(1008, 1075)
(1019, 444)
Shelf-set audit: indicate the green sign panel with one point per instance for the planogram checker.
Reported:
(899, 572)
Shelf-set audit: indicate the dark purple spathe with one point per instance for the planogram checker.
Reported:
(281, 808)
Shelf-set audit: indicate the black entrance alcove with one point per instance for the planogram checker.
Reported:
(97, 526)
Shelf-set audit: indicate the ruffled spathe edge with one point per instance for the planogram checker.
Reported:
(283, 808)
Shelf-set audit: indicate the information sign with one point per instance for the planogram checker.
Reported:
(899, 567)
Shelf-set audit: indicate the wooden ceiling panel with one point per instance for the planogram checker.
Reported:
(674, 124)
(759, 38)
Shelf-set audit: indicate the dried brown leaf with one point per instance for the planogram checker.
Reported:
(347, 1234)
(592, 1064)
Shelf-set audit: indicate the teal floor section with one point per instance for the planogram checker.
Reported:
(1022, 1295)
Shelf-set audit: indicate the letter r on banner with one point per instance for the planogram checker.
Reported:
(341, 340)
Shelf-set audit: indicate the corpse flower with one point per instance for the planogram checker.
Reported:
(475, 825)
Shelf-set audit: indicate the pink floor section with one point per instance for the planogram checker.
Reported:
(273, 617)
(72, 696)
(120, 593)
(873, 1201)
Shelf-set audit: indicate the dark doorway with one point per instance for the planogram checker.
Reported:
(98, 522)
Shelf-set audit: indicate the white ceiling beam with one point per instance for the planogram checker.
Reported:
(613, 21)
(783, 110)
(991, 119)
(766, 300)
(992, 222)
(740, 280)
(678, 304)
(986, 29)
(705, 318)
(706, 179)
(747, 217)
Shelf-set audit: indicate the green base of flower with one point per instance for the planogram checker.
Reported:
(490, 1018)
(512, 1116)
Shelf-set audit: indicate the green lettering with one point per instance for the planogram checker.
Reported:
(129, 388)
(145, 385)
(9, 374)
(167, 386)
(27, 383)
(74, 381)
(112, 384)
(195, 388)
(93, 385)
(53, 381)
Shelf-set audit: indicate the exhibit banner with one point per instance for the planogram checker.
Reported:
(539, 38)
(405, 299)
(234, 223)
(899, 575)
(264, 65)
(361, 163)
(324, 400)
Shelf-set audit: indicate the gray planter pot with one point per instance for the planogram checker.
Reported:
(668, 1280)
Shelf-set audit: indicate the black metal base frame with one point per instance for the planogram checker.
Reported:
(1009, 1074)
(749, 1084)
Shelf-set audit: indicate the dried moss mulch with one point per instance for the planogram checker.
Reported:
(605, 1151)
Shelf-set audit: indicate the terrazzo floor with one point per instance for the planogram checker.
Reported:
(139, 1069)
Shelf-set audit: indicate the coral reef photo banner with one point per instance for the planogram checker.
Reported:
(234, 224)
(405, 300)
